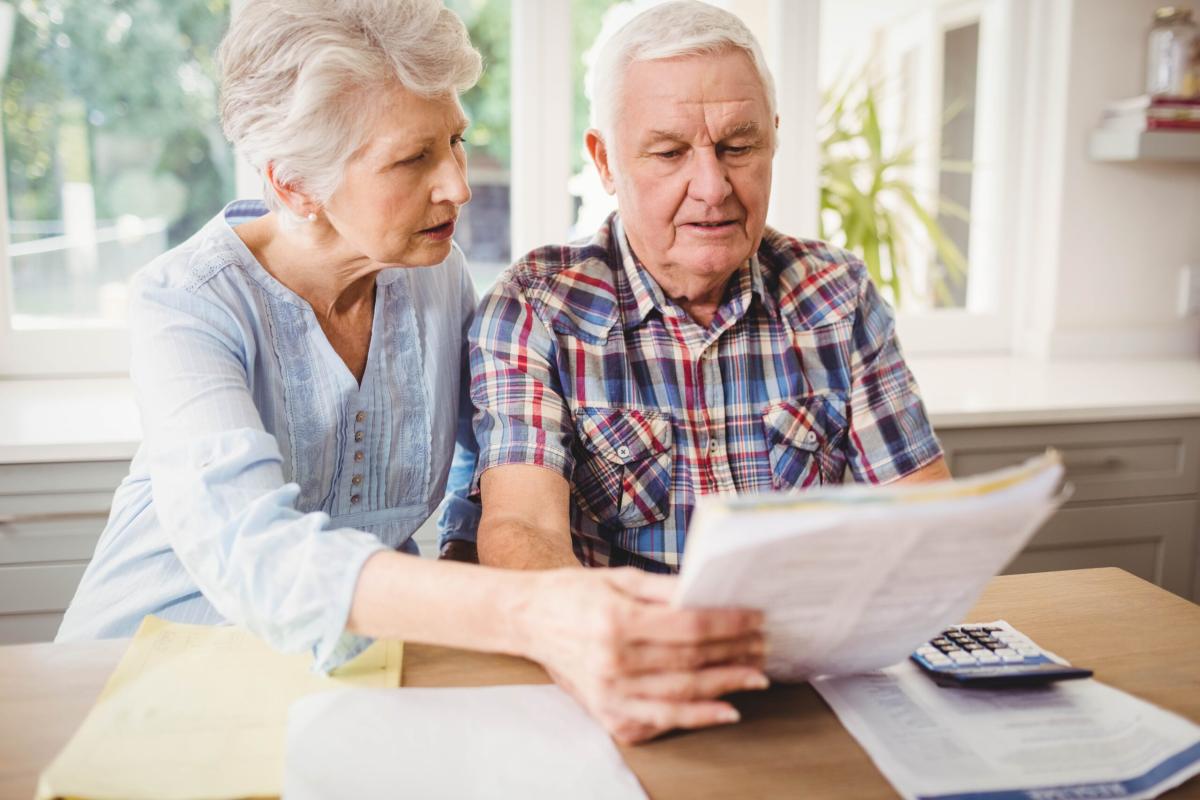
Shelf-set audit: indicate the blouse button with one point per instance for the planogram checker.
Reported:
(354, 499)
(358, 436)
(360, 416)
(358, 456)
(356, 480)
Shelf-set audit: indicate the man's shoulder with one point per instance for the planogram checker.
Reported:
(571, 287)
(814, 283)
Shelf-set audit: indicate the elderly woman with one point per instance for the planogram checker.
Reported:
(298, 368)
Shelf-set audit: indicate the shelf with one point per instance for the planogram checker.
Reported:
(1106, 145)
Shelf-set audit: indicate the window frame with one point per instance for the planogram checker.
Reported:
(540, 201)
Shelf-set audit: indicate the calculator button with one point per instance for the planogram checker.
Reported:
(926, 650)
(939, 642)
(1006, 651)
(937, 659)
(972, 646)
(987, 658)
(1028, 651)
(962, 658)
(1013, 658)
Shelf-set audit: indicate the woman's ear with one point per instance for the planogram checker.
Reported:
(292, 197)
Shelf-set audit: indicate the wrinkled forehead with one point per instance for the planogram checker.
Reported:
(722, 92)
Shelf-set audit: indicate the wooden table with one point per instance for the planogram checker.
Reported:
(1134, 635)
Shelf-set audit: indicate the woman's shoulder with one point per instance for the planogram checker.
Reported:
(192, 264)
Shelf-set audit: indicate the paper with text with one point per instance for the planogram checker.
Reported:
(529, 742)
(1073, 739)
(198, 711)
(854, 578)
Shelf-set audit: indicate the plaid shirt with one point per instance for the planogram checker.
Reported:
(580, 364)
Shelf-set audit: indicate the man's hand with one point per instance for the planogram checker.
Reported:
(639, 666)
(458, 550)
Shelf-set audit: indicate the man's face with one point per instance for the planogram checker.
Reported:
(691, 163)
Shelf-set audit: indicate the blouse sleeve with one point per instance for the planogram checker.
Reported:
(218, 486)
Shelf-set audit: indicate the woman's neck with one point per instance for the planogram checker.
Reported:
(314, 262)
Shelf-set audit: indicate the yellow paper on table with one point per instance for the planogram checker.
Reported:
(198, 711)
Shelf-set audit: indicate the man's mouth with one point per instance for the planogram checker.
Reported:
(713, 225)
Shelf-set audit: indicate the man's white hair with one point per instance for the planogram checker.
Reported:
(667, 30)
(301, 80)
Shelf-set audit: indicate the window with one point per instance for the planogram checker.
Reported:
(112, 151)
(913, 144)
(112, 154)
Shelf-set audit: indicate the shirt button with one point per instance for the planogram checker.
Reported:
(714, 446)
(810, 437)
(354, 499)
(356, 480)
(358, 456)
(623, 452)
(360, 416)
(358, 436)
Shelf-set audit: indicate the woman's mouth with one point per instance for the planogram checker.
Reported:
(440, 233)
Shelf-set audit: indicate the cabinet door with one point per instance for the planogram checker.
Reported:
(51, 516)
(1104, 461)
(1155, 541)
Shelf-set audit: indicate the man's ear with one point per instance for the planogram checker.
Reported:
(292, 197)
(599, 152)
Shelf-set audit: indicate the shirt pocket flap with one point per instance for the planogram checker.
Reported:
(810, 422)
(621, 435)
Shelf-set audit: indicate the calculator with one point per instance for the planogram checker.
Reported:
(991, 656)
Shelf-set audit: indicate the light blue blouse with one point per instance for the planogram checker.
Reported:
(267, 475)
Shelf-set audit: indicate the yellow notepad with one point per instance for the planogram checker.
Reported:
(198, 711)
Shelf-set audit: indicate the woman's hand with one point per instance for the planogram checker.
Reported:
(641, 667)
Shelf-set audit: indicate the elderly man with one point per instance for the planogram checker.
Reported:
(686, 348)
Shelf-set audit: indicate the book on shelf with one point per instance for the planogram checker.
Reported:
(1148, 101)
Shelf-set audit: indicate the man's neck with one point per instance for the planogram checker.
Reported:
(700, 297)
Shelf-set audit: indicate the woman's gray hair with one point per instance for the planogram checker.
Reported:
(668, 30)
(301, 79)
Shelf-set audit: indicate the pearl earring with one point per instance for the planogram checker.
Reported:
(312, 217)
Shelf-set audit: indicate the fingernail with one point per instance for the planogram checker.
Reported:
(729, 715)
(757, 682)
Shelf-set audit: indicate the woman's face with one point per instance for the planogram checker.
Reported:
(400, 194)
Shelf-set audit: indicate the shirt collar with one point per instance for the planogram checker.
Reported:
(641, 294)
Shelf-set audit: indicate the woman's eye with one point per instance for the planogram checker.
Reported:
(457, 140)
(407, 162)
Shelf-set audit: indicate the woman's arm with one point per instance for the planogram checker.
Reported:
(607, 635)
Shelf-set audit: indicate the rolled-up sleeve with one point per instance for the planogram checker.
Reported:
(521, 416)
(218, 485)
(890, 435)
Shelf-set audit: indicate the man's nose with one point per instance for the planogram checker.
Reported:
(450, 183)
(709, 180)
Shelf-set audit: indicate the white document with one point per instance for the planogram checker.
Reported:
(500, 741)
(854, 578)
(1074, 739)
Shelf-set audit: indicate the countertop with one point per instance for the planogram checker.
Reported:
(96, 419)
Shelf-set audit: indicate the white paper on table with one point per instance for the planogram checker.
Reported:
(1072, 739)
(499, 741)
(854, 578)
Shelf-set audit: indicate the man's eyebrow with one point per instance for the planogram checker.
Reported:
(748, 128)
(661, 136)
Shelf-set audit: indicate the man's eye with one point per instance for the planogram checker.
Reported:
(667, 155)
(738, 151)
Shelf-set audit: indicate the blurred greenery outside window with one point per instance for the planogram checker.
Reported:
(113, 152)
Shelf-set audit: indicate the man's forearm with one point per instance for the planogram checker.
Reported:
(518, 545)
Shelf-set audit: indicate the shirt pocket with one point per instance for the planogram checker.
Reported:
(804, 438)
(623, 477)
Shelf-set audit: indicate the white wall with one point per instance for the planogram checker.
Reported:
(1125, 229)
